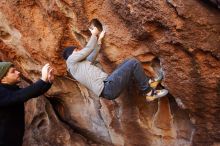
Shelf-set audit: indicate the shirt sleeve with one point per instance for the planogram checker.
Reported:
(9, 97)
(82, 54)
(92, 57)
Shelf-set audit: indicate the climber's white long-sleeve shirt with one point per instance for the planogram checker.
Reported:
(83, 71)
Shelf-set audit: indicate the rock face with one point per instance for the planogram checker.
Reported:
(180, 37)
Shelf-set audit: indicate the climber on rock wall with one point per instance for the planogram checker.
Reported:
(80, 65)
(12, 100)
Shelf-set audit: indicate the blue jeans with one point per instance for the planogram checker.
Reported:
(121, 77)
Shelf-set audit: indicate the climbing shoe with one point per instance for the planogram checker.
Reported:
(156, 94)
(154, 82)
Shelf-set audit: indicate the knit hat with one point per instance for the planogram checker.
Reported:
(68, 51)
(4, 67)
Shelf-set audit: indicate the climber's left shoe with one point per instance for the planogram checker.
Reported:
(156, 94)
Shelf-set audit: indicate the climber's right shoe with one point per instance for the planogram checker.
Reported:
(154, 83)
(156, 94)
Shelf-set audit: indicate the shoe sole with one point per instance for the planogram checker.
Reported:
(165, 92)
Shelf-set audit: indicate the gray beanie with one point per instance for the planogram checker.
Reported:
(4, 67)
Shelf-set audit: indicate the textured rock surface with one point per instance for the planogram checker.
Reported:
(181, 37)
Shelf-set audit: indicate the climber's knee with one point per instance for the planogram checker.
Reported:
(133, 61)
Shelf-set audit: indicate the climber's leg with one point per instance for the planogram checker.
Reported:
(121, 77)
